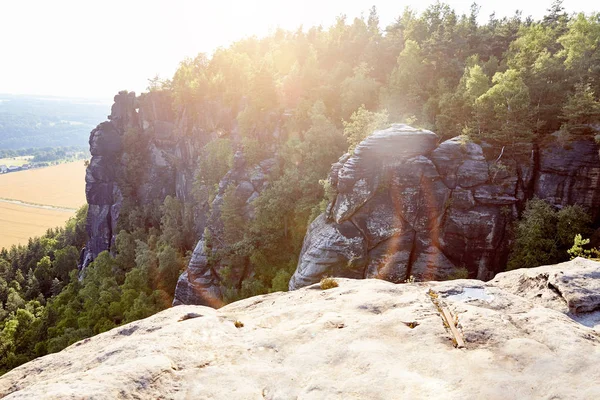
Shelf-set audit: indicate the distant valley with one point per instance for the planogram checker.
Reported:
(43, 142)
(43, 121)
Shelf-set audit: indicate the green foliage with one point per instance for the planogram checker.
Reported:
(578, 251)
(215, 161)
(31, 277)
(506, 79)
(505, 108)
(571, 221)
(460, 273)
(232, 215)
(406, 91)
(543, 235)
(46, 306)
(580, 43)
(64, 260)
(359, 90)
(176, 224)
(362, 123)
(581, 107)
(254, 151)
(170, 266)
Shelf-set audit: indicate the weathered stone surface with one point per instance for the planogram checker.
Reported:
(447, 157)
(169, 162)
(474, 238)
(472, 173)
(390, 259)
(570, 174)
(430, 263)
(457, 160)
(456, 205)
(397, 183)
(330, 249)
(462, 199)
(359, 175)
(418, 194)
(379, 220)
(101, 189)
(572, 286)
(123, 113)
(366, 339)
(495, 195)
(105, 140)
(198, 284)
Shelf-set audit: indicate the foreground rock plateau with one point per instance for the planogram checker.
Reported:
(529, 334)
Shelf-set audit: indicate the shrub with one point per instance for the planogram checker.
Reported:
(460, 273)
(328, 283)
(578, 251)
(544, 235)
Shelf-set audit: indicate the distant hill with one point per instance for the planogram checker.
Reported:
(38, 121)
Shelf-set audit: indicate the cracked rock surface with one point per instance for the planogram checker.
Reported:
(529, 334)
(430, 210)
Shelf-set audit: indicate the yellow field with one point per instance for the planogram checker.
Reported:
(19, 223)
(15, 161)
(61, 186)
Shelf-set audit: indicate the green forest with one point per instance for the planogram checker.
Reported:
(323, 90)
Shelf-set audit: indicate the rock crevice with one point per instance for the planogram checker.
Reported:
(432, 210)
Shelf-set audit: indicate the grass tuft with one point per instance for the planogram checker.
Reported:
(328, 283)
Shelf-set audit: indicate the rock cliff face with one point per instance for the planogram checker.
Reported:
(528, 334)
(104, 197)
(144, 153)
(165, 147)
(406, 206)
(200, 283)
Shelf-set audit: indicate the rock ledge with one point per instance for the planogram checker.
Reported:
(529, 334)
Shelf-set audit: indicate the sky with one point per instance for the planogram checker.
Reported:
(95, 48)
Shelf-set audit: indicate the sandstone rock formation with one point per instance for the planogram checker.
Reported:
(165, 149)
(104, 197)
(200, 282)
(406, 206)
(528, 333)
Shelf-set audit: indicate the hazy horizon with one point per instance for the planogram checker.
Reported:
(68, 48)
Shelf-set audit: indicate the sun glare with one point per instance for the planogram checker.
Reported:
(96, 48)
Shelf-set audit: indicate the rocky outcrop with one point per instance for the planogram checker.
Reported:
(161, 161)
(104, 197)
(528, 334)
(200, 283)
(568, 174)
(406, 206)
(145, 152)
